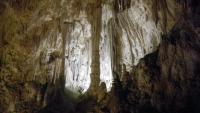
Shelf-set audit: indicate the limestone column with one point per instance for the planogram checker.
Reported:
(94, 15)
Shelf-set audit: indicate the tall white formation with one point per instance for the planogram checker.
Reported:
(126, 37)
(139, 33)
(78, 54)
(106, 74)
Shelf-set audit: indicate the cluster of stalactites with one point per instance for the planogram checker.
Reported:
(99, 39)
(121, 5)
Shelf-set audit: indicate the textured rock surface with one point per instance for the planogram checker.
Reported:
(166, 81)
(85, 43)
(126, 36)
(92, 39)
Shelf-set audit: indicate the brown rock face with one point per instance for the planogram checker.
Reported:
(166, 81)
(50, 46)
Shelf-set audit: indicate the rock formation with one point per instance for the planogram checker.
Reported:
(100, 56)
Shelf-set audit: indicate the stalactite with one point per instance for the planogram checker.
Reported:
(121, 5)
(129, 32)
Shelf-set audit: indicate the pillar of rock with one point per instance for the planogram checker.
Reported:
(94, 13)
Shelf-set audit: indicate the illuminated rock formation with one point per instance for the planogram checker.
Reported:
(100, 39)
